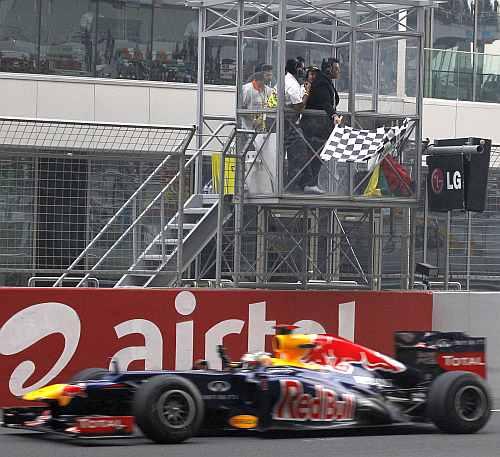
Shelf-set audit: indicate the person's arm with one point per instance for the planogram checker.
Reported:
(299, 107)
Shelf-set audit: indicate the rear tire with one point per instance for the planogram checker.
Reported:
(168, 409)
(89, 374)
(459, 402)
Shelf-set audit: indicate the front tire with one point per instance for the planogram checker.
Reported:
(459, 402)
(168, 409)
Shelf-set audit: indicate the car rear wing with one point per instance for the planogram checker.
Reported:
(433, 353)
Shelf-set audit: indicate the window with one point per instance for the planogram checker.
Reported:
(123, 47)
(67, 37)
(19, 36)
(487, 82)
(453, 26)
(175, 44)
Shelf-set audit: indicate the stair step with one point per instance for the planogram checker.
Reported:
(173, 241)
(210, 199)
(196, 210)
(141, 275)
(185, 226)
(156, 257)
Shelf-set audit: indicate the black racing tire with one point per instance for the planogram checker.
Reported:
(168, 409)
(89, 374)
(459, 402)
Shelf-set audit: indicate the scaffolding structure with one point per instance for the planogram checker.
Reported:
(284, 238)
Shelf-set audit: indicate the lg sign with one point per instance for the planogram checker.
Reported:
(453, 180)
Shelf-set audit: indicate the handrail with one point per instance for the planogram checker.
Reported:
(131, 199)
(34, 279)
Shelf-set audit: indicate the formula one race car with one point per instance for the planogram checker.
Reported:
(309, 382)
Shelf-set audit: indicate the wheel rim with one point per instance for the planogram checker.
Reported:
(470, 403)
(176, 409)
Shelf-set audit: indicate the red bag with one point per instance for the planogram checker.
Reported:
(397, 177)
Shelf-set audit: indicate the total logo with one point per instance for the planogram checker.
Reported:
(105, 422)
(450, 360)
(101, 425)
(453, 180)
(325, 405)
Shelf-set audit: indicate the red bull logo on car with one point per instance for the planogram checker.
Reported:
(341, 354)
(324, 405)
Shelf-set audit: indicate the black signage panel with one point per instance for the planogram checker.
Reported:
(445, 182)
(476, 167)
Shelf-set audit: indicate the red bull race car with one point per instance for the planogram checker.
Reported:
(307, 382)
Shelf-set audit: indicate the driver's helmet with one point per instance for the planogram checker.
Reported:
(255, 359)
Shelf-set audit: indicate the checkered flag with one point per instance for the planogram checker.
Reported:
(350, 145)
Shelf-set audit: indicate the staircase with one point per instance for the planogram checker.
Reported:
(160, 256)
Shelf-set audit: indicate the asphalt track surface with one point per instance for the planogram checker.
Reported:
(421, 441)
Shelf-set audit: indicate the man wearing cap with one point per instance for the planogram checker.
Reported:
(254, 97)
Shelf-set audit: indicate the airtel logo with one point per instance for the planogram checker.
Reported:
(32, 324)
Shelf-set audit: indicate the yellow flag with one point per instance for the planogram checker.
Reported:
(371, 189)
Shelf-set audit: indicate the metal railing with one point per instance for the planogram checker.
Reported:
(178, 179)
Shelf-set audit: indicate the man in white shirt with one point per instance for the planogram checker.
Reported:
(295, 99)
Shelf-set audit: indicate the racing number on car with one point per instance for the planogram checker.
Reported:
(325, 405)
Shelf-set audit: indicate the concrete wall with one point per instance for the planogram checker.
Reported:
(478, 314)
(92, 99)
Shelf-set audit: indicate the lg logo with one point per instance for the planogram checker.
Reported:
(453, 180)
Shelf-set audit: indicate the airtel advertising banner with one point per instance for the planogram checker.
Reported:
(46, 335)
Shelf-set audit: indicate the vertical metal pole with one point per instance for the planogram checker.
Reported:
(305, 239)
(239, 179)
(151, 40)
(134, 230)
(469, 248)
(162, 227)
(376, 71)
(220, 216)
(426, 228)
(330, 244)
(376, 220)
(419, 96)
(87, 218)
(405, 248)
(39, 37)
(35, 211)
(475, 52)
(314, 242)
(447, 251)
(200, 111)
(353, 54)
(94, 47)
(261, 258)
(200, 107)
(336, 249)
(180, 218)
(269, 36)
(412, 256)
(281, 121)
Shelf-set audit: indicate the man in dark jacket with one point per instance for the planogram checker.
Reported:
(318, 127)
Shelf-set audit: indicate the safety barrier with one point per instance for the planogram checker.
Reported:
(169, 328)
